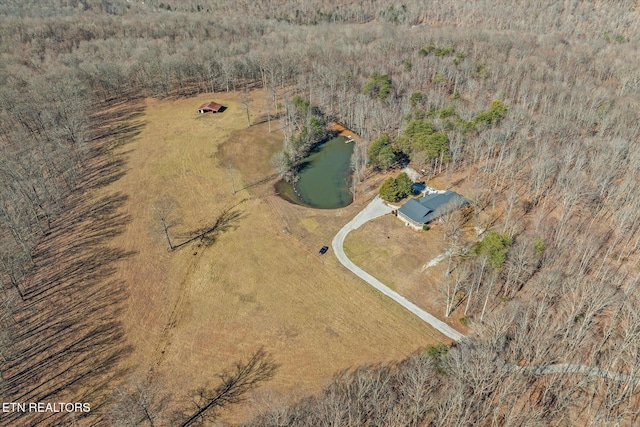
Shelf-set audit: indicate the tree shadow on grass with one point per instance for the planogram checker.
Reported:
(264, 180)
(228, 220)
(66, 337)
(114, 129)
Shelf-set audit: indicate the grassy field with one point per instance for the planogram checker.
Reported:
(397, 255)
(193, 312)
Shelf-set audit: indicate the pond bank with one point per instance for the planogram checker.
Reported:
(323, 177)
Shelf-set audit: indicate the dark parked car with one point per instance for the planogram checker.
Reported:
(323, 250)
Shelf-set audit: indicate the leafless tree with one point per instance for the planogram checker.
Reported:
(233, 387)
(138, 402)
(165, 212)
(358, 167)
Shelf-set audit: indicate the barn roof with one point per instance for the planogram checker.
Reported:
(210, 106)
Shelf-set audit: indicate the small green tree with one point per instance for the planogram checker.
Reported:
(438, 354)
(394, 189)
(417, 130)
(420, 140)
(317, 128)
(389, 190)
(539, 246)
(381, 153)
(437, 145)
(415, 99)
(494, 246)
(447, 112)
(404, 185)
(492, 116)
(376, 145)
(387, 157)
(303, 107)
(378, 86)
(436, 50)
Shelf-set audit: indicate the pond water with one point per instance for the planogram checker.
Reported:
(324, 177)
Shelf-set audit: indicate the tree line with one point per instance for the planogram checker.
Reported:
(540, 115)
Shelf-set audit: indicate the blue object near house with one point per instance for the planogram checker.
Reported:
(418, 187)
(418, 212)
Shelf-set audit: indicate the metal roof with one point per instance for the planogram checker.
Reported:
(414, 211)
(430, 207)
(210, 106)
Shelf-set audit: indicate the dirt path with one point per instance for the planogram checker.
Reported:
(177, 311)
(436, 260)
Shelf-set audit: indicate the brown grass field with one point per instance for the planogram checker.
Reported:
(195, 311)
(396, 255)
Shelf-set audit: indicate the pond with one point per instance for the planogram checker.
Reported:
(323, 178)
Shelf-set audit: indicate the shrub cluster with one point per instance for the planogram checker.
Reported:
(394, 189)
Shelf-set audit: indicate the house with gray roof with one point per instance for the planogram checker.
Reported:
(419, 212)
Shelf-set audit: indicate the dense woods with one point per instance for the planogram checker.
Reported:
(534, 103)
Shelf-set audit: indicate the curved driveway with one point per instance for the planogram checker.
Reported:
(375, 209)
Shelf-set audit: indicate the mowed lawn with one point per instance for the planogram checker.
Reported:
(195, 311)
(397, 255)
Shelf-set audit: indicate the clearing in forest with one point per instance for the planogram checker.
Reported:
(397, 255)
(255, 281)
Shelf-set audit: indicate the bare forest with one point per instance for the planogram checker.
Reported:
(535, 105)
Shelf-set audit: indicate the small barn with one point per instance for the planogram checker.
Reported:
(210, 107)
